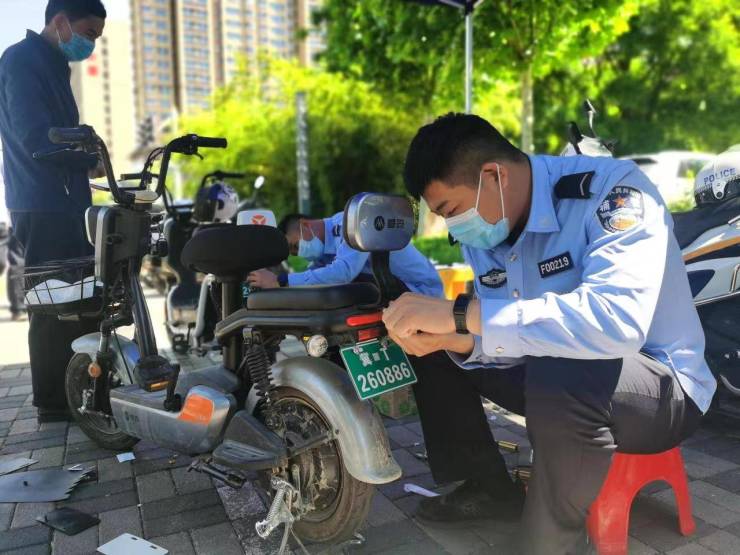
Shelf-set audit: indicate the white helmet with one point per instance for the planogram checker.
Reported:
(217, 203)
(719, 180)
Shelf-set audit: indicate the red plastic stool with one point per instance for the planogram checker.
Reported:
(609, 517)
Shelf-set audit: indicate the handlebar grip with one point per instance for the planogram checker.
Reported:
(211, 142)
(71, 135)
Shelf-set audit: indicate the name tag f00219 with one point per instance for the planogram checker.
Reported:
(555, 265)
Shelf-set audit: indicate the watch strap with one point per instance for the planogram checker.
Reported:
(460, 313)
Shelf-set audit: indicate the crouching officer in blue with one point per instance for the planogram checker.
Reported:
(582, 320)
(334, 262)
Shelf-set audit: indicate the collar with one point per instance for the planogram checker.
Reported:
(542, 217)
(52, 54)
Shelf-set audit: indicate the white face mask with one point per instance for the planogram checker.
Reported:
(310, 249)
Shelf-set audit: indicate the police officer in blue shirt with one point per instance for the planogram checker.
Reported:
(47, 198)
(333, 262)
(582, 320)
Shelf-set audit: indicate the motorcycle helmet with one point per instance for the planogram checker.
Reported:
(719, 180)
(217, 203)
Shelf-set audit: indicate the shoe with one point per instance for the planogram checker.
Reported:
(18, 316)
(471, 502)
(53, 415)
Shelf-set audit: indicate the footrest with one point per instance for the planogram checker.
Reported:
(246, 457)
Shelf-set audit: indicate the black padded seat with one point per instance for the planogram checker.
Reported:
(234, 251)
(329, 297)
(688, 226)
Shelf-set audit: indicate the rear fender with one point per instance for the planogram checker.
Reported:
(125, 351)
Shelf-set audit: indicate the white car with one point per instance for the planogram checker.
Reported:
(673, 171)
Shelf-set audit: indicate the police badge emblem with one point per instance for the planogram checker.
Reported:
(494, 279)
(621, 210)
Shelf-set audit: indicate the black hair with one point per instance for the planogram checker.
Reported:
(452, 149)
(75, 9)
(289, 220)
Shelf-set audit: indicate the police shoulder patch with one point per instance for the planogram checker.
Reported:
(494, 279)
(622, 209)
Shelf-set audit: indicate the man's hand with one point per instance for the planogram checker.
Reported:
(263, 279)
(422, 344)
(97, 172)
(413, 313)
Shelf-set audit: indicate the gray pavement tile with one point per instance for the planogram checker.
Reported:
(733, 529)
(84, 456)
(9, 373)
(700, 465)
(12, 402)
(410, 465)
(691, 549)
(6, 515)
(93, 490)
(40, 549)
(404, 437)
(4, 390)
(706, 509)
(179, 504)
(26, 513)
(181, 521)
(48, 457)
(8, 415)
(409, 504)
(721, 541)
(663, 535)
(23, 537)
(32, 445)
(716, 445)
(75, 435)
(380, 539)
(20, 390)
(24, 426)
(394, 490)
(383, 511)
(636, 547)
(58, 426)
(729, 480)
(155, 486)
(176, 544)
(189, 482)
(457, 540)
(716, 495)
(646, 509)
(654, 487)
(84, 543)
(27, 411)
(117, 522)
(105, 503)
(148, 466)
(416, 428)
(110, 469)
(33, 436)
(219, 539)
(241, 503)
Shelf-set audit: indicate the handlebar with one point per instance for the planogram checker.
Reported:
(211, 142)
(72, 135)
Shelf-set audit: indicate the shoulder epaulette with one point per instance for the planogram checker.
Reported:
(577, 185)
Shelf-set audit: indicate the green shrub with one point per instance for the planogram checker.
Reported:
(438, 250)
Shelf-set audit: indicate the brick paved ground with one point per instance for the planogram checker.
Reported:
(156, 498)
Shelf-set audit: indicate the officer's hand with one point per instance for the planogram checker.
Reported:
(413, 313)
(263, 279)
(97, 172)
(422, 344)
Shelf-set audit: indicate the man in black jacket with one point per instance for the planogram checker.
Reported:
(47, 200)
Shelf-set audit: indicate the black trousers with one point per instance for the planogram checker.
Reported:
(579, 412)
(47, 236)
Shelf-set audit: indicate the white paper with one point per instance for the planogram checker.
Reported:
(128, 544)
(413, 488)
(123, 457)
(55, 291)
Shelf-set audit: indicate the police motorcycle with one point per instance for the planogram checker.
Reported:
(709, 238)
(301, 427)
(190, 315)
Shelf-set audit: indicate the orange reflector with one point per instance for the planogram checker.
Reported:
(157, 386)
(364, 319)
(364, 335)
(94, 370)
(197, 410)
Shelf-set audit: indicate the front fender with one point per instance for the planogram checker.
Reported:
(126, 353)
(363, 442)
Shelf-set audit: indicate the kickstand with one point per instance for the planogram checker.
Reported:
(286, 535)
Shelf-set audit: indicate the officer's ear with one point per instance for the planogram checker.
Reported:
(493, 170)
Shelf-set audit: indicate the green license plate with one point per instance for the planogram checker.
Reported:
(377, 367)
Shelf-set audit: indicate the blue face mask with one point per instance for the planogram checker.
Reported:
(78, 48)
(312, 249)
(469, 228)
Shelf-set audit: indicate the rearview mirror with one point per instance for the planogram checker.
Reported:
(375, 222)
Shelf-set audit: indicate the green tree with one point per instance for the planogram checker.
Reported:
(405, 47)
(358, 137)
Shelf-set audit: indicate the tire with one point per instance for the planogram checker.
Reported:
(105, 435)
(349, 510)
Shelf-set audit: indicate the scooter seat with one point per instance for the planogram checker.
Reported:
(234, 251)
(330, 297)
(688, 226)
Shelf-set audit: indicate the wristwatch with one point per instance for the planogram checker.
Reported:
(460, 312)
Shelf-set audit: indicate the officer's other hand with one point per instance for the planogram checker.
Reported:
(263, 279)
(412, 313)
